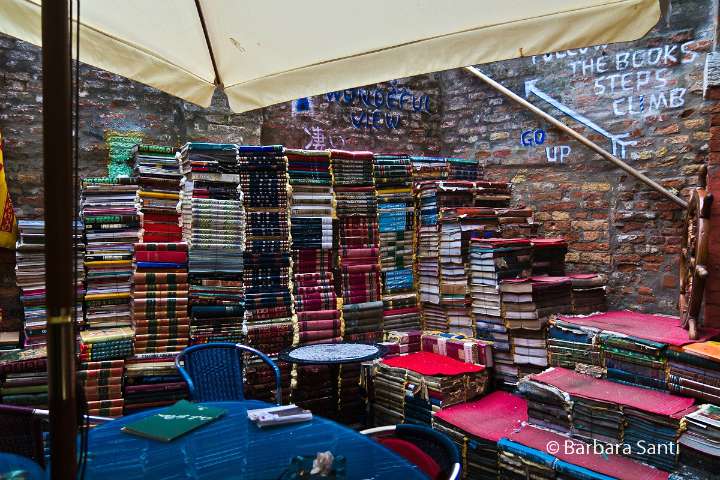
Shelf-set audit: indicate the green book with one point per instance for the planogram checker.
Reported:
(174, 421)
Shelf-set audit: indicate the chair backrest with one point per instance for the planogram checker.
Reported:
(213, 371)
(21, 432)
(419, 444)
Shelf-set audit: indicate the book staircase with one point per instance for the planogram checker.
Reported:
(276, 247)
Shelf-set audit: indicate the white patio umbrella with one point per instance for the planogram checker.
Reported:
(266, 52)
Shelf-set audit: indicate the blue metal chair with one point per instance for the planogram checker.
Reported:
(214, 371)
(436, 444)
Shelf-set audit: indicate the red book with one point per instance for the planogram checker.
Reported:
(161, 256)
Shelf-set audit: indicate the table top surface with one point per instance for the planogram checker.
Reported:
(333, 353)
(16, 466)
(232, 447)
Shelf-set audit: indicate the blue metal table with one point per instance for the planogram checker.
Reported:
(232, 447)
(14, 466)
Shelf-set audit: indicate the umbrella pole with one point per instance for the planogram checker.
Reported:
(59, 217)
(580, 138)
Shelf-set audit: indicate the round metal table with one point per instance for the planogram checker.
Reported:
(233, 447)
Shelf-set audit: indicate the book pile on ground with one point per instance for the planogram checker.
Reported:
(389, 386)
(152, 380)
(492, 194)
(694, 370)
(589, 293)
(313, 388)
(610, 412)
(428, 255)
(524, 454)
(270, 337)
(549, 256)
(477, 426)
(548, 406)
(106, 344)
(112, 226)
(398, 342)
(174, 421)
(700, 440)
(635, 345)
(30, 278)
(23, 377)
(101, 382)
(160, 297)
(569, 345)
(516, 222)
(453, 280)
(281, 415)
(352, 399)
(464, 169)
(431, 382)
(493, 260)
(158, 176)
(213, 223)
(520, 319)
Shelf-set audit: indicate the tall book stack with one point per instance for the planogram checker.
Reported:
(493, 260)
(318, 317)
(30, 275)
(102, 360)
(428, 254)
(268, 297)
(112, 226)
(358, 265)
(213, 225)
(453, 277)
(396, 223)
(158, 176)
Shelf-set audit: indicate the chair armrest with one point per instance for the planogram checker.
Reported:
(185, 375)
(267, 360)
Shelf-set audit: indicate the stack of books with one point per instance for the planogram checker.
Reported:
(464, 169)
(453, 279)
(645, 427)
(9, 341)
(516, 222)
(158, 176)
(549, 256)
(151, 380)
(390, 386)
(694, 370)
(23, 377)
(589, 293)
(520, 319)
(398, 342)
(102, 384)
(30, 278)
(569, 345)
(396, 224)
(213, 225)
(429, 168)
(269, 337)
(428, 255)
(477, 426)
(160, 297)
(548, 407)
(700, 441)
(112, 226)
(634, 360)
(492, 194)
(102, 357)
(493, 260)
(363, 321)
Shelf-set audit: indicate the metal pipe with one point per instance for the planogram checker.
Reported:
(59, 216)
(580, 138)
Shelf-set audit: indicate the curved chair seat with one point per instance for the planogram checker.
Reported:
(429, 449)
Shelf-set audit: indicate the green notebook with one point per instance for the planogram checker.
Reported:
(174, 421)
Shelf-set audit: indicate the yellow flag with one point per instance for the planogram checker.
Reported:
(8, 223)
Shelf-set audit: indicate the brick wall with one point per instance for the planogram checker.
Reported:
(648, 93)
(649, 90)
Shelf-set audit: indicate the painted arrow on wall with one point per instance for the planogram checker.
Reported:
(616, 140)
